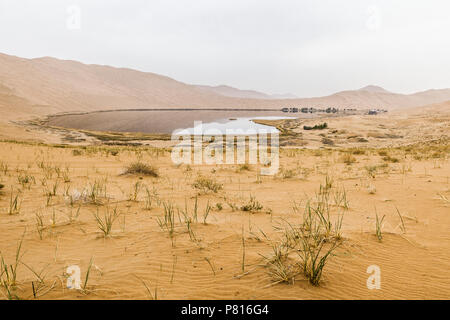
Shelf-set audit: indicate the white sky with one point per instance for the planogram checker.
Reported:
(306, 47)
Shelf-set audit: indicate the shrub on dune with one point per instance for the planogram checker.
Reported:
(142, 169)
(207, 184)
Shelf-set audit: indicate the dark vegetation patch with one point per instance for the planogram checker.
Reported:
(316, 127)
(140, 168)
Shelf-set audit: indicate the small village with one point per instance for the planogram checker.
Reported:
(332, 110)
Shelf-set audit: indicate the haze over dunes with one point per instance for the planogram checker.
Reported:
(228, 91)
(48, 85)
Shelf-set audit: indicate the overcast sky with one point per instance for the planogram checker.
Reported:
(305, 47)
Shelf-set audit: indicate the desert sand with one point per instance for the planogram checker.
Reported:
(382, 184)
(222, 256)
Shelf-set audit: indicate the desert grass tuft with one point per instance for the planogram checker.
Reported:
(402, 226)
(313, 259)
(141, 168)
(71, 216)
(152, 295)
(8, 272)
(252, 206)
(206, 213)
(378, 226)
(314, 240)
(210, 265)
(96, 192)
(40, 224)
(14, 204)
(4, 168)
(167, 223)
(39, 287)
(443, 198)
(105, 222)
(278, 267)
(243, 252)
(340, 198)
(151, 198)
(244, 167)
(135, 191)
(86, 278)
(207, 184)
(348, 159)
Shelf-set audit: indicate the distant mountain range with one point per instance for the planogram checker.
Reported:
(372, 88)
(48, 85)
(228, 91)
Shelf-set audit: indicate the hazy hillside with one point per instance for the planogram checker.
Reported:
(432, 110)
(70, 85)
(372, 88)
(49, 85)
(228, 91)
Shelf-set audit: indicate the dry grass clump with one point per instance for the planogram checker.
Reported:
(297, 172)
(371, 189)
(14, 204)
(327, 141)
(244, 167)
(311, 242)
(106, 222)
(207, 184)
(135, 190)
(76, 152)
(279, 267)
(252, 206)
(391, 159)
(348, 159)
(8, 273)
(142, 169)
(168, 222)
(94, 193)
(371, 171)
(443, 198)
(358, 151)
(4, 168)
(151, 198)
(287, 173)
(378, 227)
(316, 127)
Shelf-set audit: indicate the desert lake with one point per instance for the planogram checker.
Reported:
(167, 121)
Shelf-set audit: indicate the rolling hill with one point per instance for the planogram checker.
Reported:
(49, 85)
(228, 91)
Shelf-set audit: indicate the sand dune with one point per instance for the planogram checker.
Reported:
(432, 110)
(228, 91)
(48, 85)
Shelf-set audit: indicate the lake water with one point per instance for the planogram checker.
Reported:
(167, 121)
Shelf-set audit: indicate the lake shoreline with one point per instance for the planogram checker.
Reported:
(154, 121)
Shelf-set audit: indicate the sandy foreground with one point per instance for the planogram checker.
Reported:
(231, 252)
